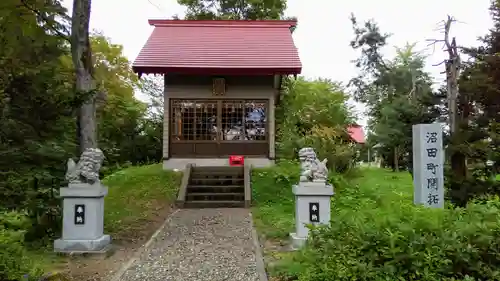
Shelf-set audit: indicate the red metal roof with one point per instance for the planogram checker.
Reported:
(219, 47)
(356, 133)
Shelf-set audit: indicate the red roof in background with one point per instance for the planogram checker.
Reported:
(356, 133)
(219, 47)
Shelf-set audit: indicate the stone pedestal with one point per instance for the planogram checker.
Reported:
(312, 206)
(83, 220)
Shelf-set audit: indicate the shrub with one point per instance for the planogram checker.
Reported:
(462, 191)
(315, 114)
(14, 260)
(328, 143)
(378, 234)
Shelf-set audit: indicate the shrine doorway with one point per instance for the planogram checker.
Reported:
(218, 128)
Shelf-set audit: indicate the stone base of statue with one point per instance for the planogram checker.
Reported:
(312, 206)
(83, 220)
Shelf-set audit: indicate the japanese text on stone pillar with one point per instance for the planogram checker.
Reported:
(432, 166)
(428, 165)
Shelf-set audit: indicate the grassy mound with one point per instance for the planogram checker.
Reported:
(136, 196)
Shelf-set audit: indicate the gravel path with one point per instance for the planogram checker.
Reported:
(200, 245)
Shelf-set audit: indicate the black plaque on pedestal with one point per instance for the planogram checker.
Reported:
(314, 211)
(80, 214)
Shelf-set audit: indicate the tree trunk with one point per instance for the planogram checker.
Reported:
(410, 163)
(82, 61)
(396, 159)
(453, 65)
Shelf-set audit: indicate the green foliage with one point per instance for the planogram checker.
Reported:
(396, 92)
(461, 191)
(478, 137)
(122, 118)
(273, 198)
(377, 233)
(136, 194)
(14, 259)
(234, 9)
(37, 108)
(315, 113)
(38, 134)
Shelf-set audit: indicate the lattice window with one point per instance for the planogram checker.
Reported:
(218, 120)
(183, 119)
(244, 120)
(255, 120)
(232, 119)
(206, 120)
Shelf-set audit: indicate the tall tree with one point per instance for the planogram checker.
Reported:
(234, 9)
(397, 92)
(478, 137)
(85, 85)
(37, 107)
(152, 86)
(121, 116)
(453, 66)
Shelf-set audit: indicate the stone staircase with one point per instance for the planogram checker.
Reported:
(215, 187)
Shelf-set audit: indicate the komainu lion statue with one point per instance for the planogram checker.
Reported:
(87, 168)
(311, 168)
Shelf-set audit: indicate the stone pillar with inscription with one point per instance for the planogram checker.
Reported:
(83, 207)
(312, 197)
(428, 161)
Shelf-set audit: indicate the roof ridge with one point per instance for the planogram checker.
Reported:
(224, 23)
(221, 26)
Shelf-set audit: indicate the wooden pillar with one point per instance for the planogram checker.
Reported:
(271, 134)
(166, 121)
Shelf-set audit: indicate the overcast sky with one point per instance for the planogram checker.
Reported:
(324, 30)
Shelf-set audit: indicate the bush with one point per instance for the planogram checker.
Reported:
(14, 259)
(378, 234)
(315, 114)
(462, 191)
(327, 144)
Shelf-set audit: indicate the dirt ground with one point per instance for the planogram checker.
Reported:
(274, 250)
(125, 246)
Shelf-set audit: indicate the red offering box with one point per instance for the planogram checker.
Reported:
(236, 160)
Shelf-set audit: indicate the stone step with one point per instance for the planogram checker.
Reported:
(217, 169)
(215, 188)
(207, 186)
(202, 172)
(218, 173)
(217, 196)
(214, 204)
(219, 182)
(215, 177)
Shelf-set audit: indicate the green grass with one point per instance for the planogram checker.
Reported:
(274, 204)
(376, 183)
(377, 232)
(135, 194)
